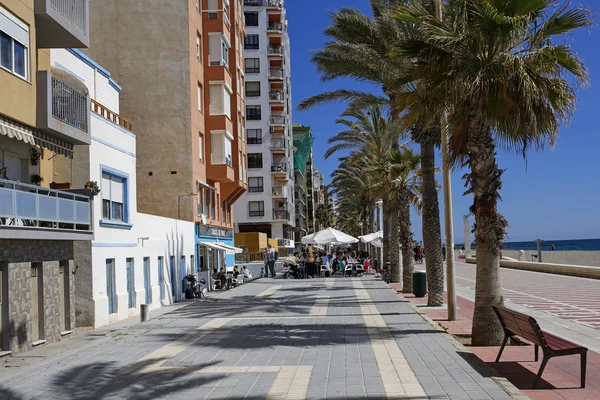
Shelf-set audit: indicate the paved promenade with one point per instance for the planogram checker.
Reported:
(276, 339)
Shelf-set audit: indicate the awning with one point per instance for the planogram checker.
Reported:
(230, 249)
(53, 144)
(14, 130)
(213, 246)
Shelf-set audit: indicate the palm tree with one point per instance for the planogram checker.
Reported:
(367, 132)
(504, 75)
(360, 49)
(400, 174)
(324, 215)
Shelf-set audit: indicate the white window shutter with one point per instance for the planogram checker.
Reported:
(216, 100)
(116, 190)
(105, 187)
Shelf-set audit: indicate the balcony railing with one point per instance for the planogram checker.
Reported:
(278, 143)
(275, 26)
(69, 105)
(62, 23)
(277, 120)
(279, 167)
(275, 3)
(32, 207)
(256, 189)
(276, 95)
(276, 73)
(280, 191)
(260, 213)
(112, 116)
(275, 50)
(281, 214)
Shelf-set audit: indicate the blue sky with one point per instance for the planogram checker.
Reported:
(555, 195)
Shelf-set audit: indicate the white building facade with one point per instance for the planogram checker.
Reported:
(134, 258)
(268, 205)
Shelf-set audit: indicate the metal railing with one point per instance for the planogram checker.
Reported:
(279, 167)
(280, 191)
(275, 72)
(276, 95)
(256, 189)
(33, 207)
(277, 119)
(275, 50)
(281, 214)
(278, 143)
(112, 116)
(73, 10)
(69, 105)
(275, 26)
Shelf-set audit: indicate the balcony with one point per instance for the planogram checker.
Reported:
(275, 27)
(276, 95)
(276, 73)
(277, 120)
(279, 168)
(62, 23)
(63, 107)
(280, 191)
(278, 144)
(281, 214)
(275, 50)
(33, 212)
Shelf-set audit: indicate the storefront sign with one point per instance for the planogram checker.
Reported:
(204, 230)
(288, 243)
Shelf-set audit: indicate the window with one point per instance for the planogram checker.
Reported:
(256, 208)
(226, 13)
(241, 167)
(218, 50)
(245, 170)
(252, 89)
(252, 65)
(255, 184)
(251, 42)
(206, 202)
(199, 47)
(221, 148)
(220, 100)
(254, 136)
(225, 53)
(198, 9)
(253, 113)
(14, 44)
(251, 18)
(255, 160)
(201, 147)
(200, 97)
(114, 197)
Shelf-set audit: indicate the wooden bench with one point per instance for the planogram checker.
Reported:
(517, 324)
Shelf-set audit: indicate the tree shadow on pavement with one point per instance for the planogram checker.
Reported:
(107, 380)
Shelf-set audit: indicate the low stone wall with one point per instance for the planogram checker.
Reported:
(559, 269)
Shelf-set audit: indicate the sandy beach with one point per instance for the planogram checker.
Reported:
(575, 257)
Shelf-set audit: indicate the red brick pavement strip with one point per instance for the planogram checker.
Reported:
(572, 298)
(561, 376)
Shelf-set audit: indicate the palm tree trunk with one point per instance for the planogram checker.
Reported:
(406, 238)
(432, 237)
(387, 232)
(489, 231)
(394, 260)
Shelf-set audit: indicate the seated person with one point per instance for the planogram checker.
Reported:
(247, 274)
(262, 272)
(235, 276)
(222, 277)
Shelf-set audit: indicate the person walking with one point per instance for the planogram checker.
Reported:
(270, 257)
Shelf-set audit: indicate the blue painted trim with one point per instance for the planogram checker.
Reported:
(125, 131)
(103, 71)
(112, 146)
(115, 224)
(94, 244)
(105, 169)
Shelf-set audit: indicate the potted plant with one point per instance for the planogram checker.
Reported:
(35, 156)
(93, 186)
(36, 179)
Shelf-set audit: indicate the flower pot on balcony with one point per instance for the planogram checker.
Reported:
(61, 185)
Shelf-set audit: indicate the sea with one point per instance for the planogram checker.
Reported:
(559, 245)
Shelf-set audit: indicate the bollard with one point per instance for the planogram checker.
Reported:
(144, 313)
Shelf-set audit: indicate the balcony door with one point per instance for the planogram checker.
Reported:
(16, 167)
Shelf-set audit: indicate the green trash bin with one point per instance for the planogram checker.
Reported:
(419, 283)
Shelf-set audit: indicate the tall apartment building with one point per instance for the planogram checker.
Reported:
(181, 62)
(268, 206)
(44, 113)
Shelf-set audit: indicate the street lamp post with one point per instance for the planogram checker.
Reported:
(448, 223)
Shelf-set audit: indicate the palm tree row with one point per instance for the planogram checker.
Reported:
(501, 72)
